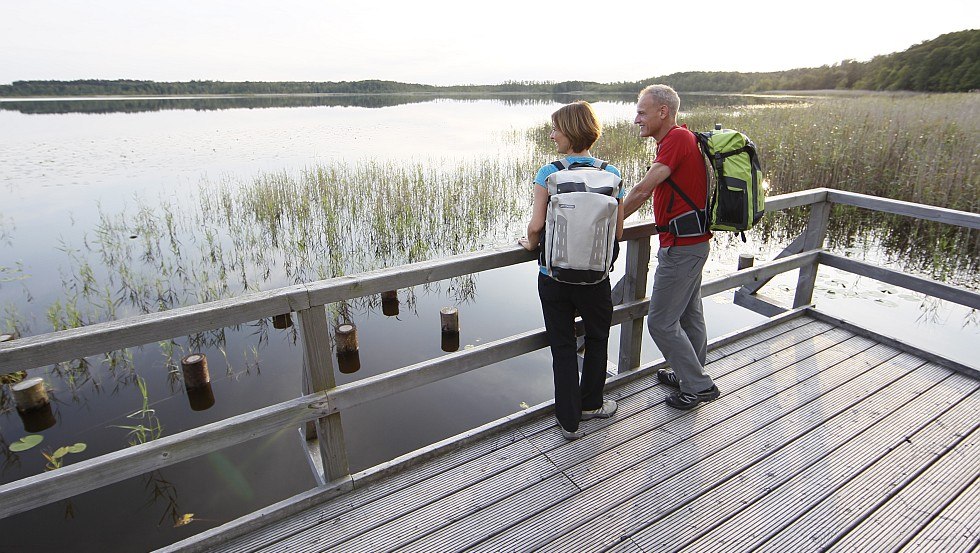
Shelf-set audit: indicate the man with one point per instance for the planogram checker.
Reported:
(676, 318)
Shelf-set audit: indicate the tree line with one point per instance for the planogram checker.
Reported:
(948, 63)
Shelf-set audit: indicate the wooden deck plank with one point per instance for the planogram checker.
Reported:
(653, 430)
(705, 460)
(399, 528)
(371, 491)
(833, 512)
(814, 327)
(462, 534)
(955, 528)
(885, 353)
(619, 393)
(843, 439)
(625, 546)
(785, 334)
(731, 373)
(619, 492)
(813, 420)
(350, 522)
(295, 523)
(907, 511)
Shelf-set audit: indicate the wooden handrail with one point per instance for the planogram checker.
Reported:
(45, 349)
(34, 351)
(90, 474)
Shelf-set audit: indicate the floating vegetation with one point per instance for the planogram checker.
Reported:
(56, 458)
(27, 442)
(12, 378)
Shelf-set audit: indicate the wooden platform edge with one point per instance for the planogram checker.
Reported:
(292, 505)
(973, 372)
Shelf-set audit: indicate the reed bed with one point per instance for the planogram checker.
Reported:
(282, 227)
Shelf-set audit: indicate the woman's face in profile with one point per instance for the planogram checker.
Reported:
(561, 141)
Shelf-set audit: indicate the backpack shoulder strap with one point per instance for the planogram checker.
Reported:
(681, 193)
(560, 164)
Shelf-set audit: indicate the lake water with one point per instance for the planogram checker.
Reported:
(73, 171)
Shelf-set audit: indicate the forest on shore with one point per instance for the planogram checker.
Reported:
(948, 63)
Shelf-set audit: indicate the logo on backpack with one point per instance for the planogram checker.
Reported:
(737, 201)
(579, 243)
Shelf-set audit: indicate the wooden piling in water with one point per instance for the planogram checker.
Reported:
(346, 335)
(280, 322)
(745, 261)
(449, 316)
(389, 303)
(449, 319)
(30, 394)
(195, 369)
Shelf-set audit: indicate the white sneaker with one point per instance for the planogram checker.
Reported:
(571, 435)
(609, 407)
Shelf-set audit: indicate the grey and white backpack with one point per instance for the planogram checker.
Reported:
(579, 242)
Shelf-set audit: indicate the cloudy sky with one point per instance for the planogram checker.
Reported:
(452, 41)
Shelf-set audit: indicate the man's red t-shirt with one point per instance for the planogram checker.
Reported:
(679, 151)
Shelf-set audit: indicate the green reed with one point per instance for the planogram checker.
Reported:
(337, 218)
(916, 148)
(919, 148)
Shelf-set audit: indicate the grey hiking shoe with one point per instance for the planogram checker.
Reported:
(687, 400)
(609, 407)
(668, 378)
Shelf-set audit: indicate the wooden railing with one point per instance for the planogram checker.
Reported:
(327, 402)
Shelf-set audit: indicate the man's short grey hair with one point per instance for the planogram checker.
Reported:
(663, 95)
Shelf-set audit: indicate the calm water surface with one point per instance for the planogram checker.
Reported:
(64, 166)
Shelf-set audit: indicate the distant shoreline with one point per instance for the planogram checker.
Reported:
(438, 94)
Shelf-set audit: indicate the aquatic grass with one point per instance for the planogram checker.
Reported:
(330, 219)
(919, 148)
(149, 427)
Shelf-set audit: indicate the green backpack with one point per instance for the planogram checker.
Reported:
(738, 200)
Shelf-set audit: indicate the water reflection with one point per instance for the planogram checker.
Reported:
(450, 341)
(348, 362)
(37, 420)
(42, 106)
(201, 398)
(263, 229)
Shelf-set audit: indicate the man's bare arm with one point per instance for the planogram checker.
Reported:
(642, 191)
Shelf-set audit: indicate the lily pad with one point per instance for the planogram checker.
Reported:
(26, 442)
(65, 450)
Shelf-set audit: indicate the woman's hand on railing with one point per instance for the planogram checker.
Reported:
(523, 241)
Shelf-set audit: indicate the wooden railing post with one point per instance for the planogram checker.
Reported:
(631, 332)
(319, 364)
(813, 238)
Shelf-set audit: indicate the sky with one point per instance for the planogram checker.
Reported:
(453, 42)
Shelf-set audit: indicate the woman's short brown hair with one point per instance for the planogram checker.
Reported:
(578, 122)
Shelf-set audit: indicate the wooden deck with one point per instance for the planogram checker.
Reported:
(823, 439)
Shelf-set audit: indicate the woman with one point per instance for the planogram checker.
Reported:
(575, 129)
